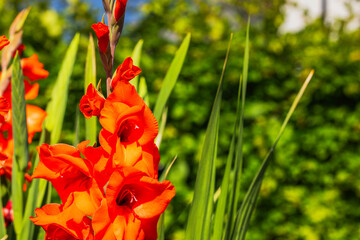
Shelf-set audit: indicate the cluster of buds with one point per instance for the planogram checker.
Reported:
(32, 70)
(110, 191)
(108, 35)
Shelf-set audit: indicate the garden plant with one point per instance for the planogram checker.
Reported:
(112, 184)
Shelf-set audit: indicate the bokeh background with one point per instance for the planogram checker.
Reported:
(312, 188)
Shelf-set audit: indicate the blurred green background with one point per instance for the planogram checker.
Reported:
(312, 188)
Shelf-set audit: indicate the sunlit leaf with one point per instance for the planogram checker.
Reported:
(199, 220)
(161, 128)
(34, 199)
(136, 55)
(20, 135)
(57, 105)
(235, 192)
(171, 77)
(247, 206)
(90, 77)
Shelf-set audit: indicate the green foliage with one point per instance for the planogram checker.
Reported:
(171, 77)
(20, 135)
(312, 186)
(200, 215)
(313, 176)
(57, 106)
(90, 77)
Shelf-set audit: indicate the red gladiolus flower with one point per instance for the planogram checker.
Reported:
(3, 42)
(91, 103)
(33, 69)
(126, 115)
(8, 213)
(4, 110)
(68, 172)
(65, 222)
(132, 206)
(125, 72)
(120, 6)
(102, 33)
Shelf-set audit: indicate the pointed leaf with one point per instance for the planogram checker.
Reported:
(199, 220)
(20, 135)
(235, 192)
(247, 207)
(136, 55)
(57, 105)
(34, 195)
(2, 221)
(162, 128)
(171, 77)
(90, 77)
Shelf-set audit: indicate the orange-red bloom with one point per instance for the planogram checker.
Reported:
(68, 172)
(126, 115)
(33, 69)
(65, 222)
(91, 103)
(4, 110)
(120, 6)
(102, 33)
(3, 42)
(125, 72)
(8, 213)
(132, 206)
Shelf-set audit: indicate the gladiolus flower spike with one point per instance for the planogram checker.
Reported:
(108, 192)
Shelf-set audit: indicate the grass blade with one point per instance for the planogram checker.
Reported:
(247, 207)
(225, 185)
(32, 199)
(56, 107)
(171, 77)
(161, 128)
(161, 227)
(90, 77)
(20, 135)
(199, 221)
(143, 91)
(234, 194)
(136, 55)
(2, 220)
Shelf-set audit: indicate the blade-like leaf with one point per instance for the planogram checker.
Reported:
(143, 91)
(162, 128)
(247, 207)
(90, 77)
(161, 226)
(57, 105)
(199, 221)
(2, 221)
(34, 195)
(20, 135)
(136, 55)
(171, 77)
(225, 184)
(235, 193)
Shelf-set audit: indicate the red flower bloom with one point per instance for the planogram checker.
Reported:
(68, 172)
(3, 42)
(125, 72)
(33, 69)
(126, 115)
(132, 206)
(65, 222)
(102, 33)
(8, 213)
(91, 103)
(120, 6)
(4, 110)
